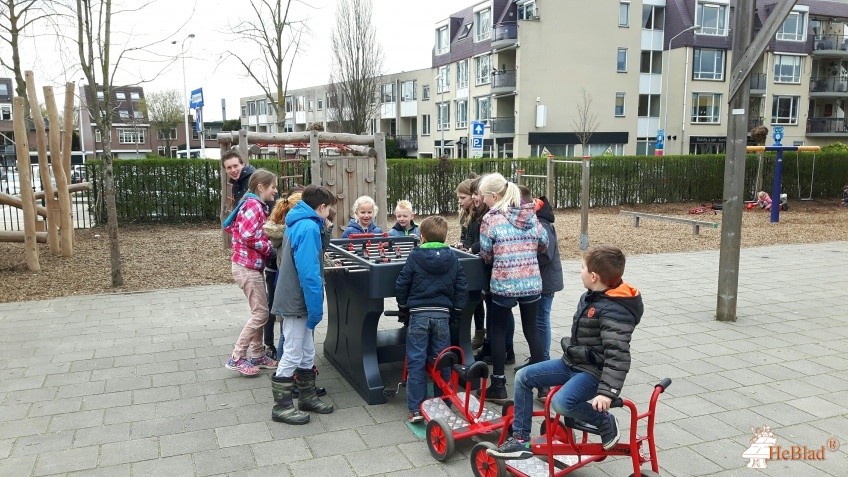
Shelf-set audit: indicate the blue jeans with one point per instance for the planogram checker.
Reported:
(427, 335)
(570, 400)
(543, 323)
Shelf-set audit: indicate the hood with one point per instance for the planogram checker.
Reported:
(629, 298)
(246, 172)
(300, 212)
(523, 218)
(399, 228)
(546, 211)
(435, 258)
(274, 230)
(353, 223)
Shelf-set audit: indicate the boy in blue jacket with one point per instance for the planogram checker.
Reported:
(299, 299)
(430, 287)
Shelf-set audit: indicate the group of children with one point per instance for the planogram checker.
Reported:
(512, 232)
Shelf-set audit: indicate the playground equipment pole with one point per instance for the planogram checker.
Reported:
(777, 135)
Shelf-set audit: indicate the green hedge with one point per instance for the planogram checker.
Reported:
(182, 190)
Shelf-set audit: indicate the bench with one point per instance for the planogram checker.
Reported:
(696, 224)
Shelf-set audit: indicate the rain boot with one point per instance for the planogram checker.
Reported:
(284, 409)
(309, 400)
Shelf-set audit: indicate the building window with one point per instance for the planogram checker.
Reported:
(135, 96)
(6, 112)
(442, 40)
(120, 95)
(708, 64)
(161, 150)
(138, 115)
(624, 14)
(619, 105)
(124, 114)
(461, 114)
(651, 62)
(244, 111)
(711, 18)
(464, 31)
(262, 107)
(444, 116)
(310, 105)
(320, 104)
(484, 69)
(97, 137)
(649, 106)
(166, 134)
(483, 25)
(787, 69)
(425, 92)
(646, 146)
(621, 60)
(527, 11)
(784, 109)
(706, 108)
(100, 95)
(4, 89)
(425, 124)
(289, 104)
(407, 90)
(484, 108)
(387, 93)
(251, 108)
(373, 125)
(794, 28)
(301, 103)
(462, 74)
(131, 136)
(653, 18)
(443, 84)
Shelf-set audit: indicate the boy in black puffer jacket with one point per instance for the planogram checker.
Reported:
(430, 288)
(595, 361)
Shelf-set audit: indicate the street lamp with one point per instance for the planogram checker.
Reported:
(82, 124)
(441, 87)
(667, 74)
(185, 93)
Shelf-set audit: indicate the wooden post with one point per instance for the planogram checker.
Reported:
(46, 184)
(584, 205)
(225, 205)
(382, 180)
(66, 227)
(244, 147)
(67, 137)
(24, 173)
(549, 181)
(315, 159)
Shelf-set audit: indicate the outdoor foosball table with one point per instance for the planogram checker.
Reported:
(364, 274)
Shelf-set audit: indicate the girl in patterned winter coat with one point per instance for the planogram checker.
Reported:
(510, 239)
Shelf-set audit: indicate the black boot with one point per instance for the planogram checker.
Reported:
(284, 410)
(496, 392)
(308, 400)
(485, 353)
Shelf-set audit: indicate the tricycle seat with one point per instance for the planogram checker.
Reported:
(477, 370)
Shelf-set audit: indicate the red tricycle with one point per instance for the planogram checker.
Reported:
(559, 452)
(458, 413)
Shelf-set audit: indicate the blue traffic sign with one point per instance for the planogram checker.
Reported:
(478, 128)
(477, 142)
(196, 100)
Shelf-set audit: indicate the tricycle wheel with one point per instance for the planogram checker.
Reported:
(484, 465)
(646, 473)
(440, 439)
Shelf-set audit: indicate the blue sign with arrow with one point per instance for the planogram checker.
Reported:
(478, 130)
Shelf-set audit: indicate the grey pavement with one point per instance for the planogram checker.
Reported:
(135, 384)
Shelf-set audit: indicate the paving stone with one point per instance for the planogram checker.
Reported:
(76, 420)
(281, 452)
(111, 471)
(15, 466)
(105, 434)
(157, 427)
(135, 412)
(129, 451)
(152, 395)
(67, 460)
(378, 461)
(818, 407)
(242, 434)
(24, 427)
(107, 400)
(43, 443)
(229, 459)
(336, 466)
(335, 443)
(187, 442)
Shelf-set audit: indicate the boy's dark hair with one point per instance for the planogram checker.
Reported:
(231, 154)
(331, 216)
(315, 196)
(607, 261)
(526, 194)
(434, 228)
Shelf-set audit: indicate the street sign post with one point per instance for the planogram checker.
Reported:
(478, 130)
(196, 103)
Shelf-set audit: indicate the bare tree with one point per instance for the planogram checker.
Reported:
(17, 19)
(586, 122)
(165, 111)
(277, 38)
(357, 64)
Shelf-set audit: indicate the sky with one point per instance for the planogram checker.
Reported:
(404, 29)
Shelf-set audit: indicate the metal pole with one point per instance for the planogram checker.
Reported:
(185, 97)
(549, 186)
(775, 187)
(202, 134)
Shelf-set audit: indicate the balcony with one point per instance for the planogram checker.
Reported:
(827, 127)
(504, 81)
(828, 86)
(505, 35)
(408, 143)
(754, 122)
(758, 83)
(502, 126)
(830, 45)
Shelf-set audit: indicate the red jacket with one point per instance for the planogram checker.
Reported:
(250, 244)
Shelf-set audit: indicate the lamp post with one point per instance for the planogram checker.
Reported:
(81, 125)
(442, 92)
(185, 94)
(666, 73)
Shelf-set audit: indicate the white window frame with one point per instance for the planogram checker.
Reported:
(461, 114)
(621, 67)
(387, 93)
(97, 136)
(483, 67)
(320, 105)
(722, 18)
(483, 25)
(130, 136)
(162, 135)
(800, 31)
(478, 110)
(261, 107)
(407, 90)
(6, 112)
(620, 102)
(123, 114)
(138, 115)
(251, 108)
(781, 66)
(793, 109)
(718, 64)
(527, 10)
(442, 39)
(425, 92)
(653, 17)
(624, 14)
(443, 83)
(134, 95)
(714, 111)
(120, 95)
(462, 74)
(443, 116)
(425, 125)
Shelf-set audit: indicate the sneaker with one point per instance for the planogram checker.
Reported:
(271, 352)
(610, 436)
(513, 448)
(414, 417)
(543, 393)
(264, 362)
(242, 365)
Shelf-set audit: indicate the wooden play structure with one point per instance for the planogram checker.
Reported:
(56, 228)
(359, 169)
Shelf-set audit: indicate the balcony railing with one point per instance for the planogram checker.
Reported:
(827, 125)
(754, 122)
(831, 42)
(506, 31)
(758, 81)
(504, 79)
(502, 125)
(829, 84)
(406, 142)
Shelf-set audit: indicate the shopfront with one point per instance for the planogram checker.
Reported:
(707, 144)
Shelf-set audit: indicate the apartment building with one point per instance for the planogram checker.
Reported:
(526, 67)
